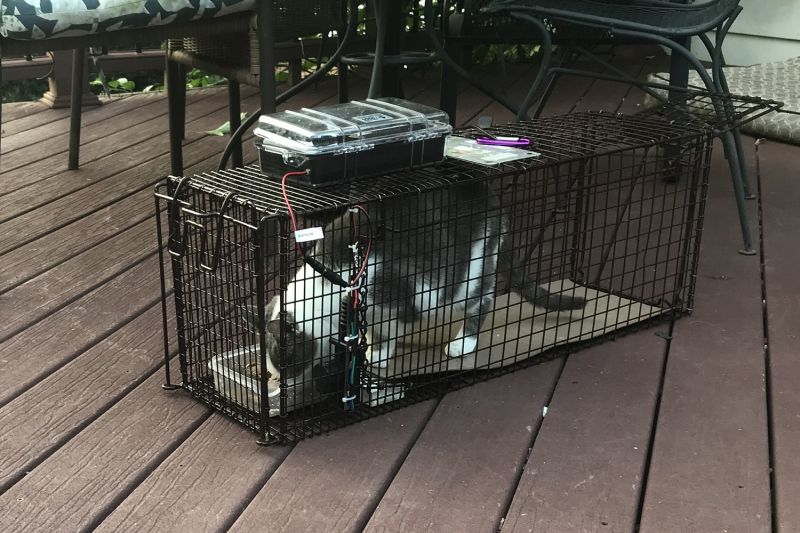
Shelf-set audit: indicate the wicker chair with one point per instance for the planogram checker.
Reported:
(237, 57)
(32, 27)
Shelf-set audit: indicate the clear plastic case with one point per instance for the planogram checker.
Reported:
(352, 140)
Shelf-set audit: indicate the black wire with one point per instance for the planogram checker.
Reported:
(305, 82)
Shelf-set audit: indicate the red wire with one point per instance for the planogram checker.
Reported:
(366, 255)
(289, 205)
(294, 225)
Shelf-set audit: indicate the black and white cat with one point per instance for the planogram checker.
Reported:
(440, 254)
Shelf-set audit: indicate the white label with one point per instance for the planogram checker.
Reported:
(308, 234)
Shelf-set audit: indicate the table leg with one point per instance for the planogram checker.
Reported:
(394, 27)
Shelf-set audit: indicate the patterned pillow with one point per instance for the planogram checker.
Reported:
(43, 19)
(773, 81)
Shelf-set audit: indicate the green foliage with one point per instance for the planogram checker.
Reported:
(197, 78)
(225, 129)
(114, 85)
(493, 53)
(145, 81)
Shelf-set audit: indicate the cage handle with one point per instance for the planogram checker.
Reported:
(176, 241)
(218, 238)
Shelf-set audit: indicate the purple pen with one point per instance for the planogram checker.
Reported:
(504, 141)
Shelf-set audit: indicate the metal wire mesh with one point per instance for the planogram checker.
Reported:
(699, 108)
(451, 273)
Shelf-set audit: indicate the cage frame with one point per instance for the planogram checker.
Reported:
(679, 128)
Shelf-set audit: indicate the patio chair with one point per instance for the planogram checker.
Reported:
(659, 21)
(32, 27)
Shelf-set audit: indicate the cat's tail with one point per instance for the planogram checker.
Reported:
(541, 297)
(520, 282)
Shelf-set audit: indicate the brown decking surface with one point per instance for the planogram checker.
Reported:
(697, 433)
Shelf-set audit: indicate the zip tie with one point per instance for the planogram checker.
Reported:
(352, 210)
(351, 338)
(346, 399)
(353, 247)
(349, 289)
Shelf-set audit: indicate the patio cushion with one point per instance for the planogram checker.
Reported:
(44, 19)
(778, 80)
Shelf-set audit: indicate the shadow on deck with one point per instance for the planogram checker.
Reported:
(692, 429)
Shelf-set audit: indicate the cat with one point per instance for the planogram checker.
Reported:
(441, 253)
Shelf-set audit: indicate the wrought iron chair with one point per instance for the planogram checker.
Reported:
(657, 21)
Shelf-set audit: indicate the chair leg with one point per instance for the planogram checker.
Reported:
(175, 113)
(737, 136)
(235, 109)
(717, 65)
(549, 85)
(382, 8)
(266, 58)
(448, 92)
(728, 142)
(76, 100)
(180, 89)
(543, 76)
(342, 87)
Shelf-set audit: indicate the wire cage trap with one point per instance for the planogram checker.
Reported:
(299, 310)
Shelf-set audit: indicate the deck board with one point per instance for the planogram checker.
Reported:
(63, 403)
(103, 162)
(56, 287)
(333, 482)
(175, 496)
(585, 470)
(84, 480)
(58, 338)
(709, 468)
(19, 116)
(780, 197)
(461, 472)
(82, 234)
(25, 171)
(56, 130)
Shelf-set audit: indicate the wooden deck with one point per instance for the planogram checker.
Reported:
(690, 430)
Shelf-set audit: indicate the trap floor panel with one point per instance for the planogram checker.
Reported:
(685, 428)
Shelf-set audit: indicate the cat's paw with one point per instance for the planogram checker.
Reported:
(461, 346)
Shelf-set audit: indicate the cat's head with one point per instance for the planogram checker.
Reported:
(299, 357)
